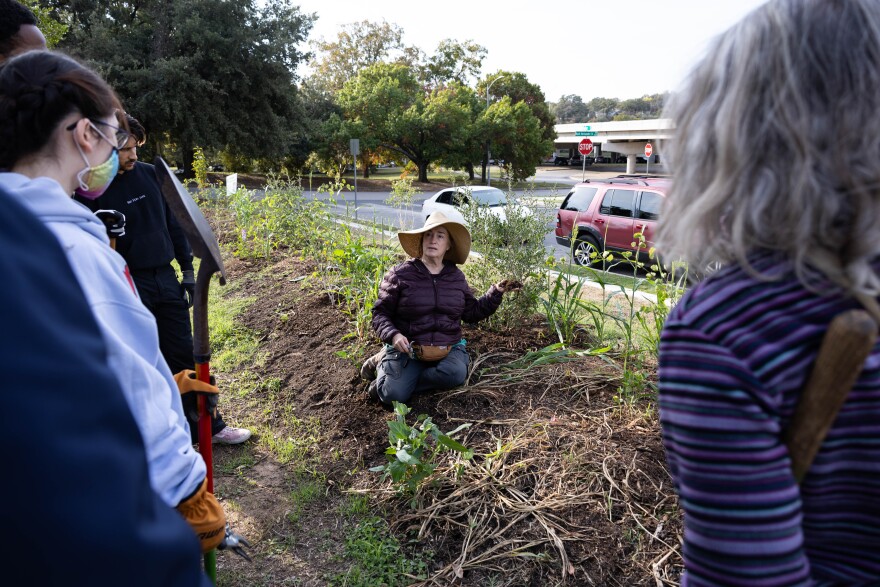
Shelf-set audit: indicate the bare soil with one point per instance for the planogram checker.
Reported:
(568, 486)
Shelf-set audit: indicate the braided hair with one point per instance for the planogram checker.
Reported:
(37, 91)
(13, 15)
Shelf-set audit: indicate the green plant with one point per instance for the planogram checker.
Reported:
(379, 559)
(412, 458)
(354, 505)
(200, 168)
(306, 492)
(509, 248)
(564, 307)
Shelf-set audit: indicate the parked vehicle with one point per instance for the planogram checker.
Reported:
(450, 201)
(577, 161)
(603, 159)
(604, 215)
(562, 156)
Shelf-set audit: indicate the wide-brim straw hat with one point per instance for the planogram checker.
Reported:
(411, 240)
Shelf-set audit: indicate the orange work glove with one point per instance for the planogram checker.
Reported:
(203, 512)
(187, 383)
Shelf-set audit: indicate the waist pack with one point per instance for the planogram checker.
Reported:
(424, 352)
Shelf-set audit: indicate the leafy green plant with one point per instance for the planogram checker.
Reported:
(512, 248)
(411, 455)
(200, 167)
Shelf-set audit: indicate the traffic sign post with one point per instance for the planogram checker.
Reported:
(649, 150)
(585, 147)
(354, 146)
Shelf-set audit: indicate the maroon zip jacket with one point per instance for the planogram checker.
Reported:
(428, 309)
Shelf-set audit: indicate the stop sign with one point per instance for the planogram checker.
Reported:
(585, 147)
(648, 149)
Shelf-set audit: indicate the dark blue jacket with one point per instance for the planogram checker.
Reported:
(152, 235)
(77, 504)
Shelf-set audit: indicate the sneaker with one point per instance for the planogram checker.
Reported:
(368, 369)
(230, 435)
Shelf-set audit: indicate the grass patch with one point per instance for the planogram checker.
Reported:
(377, 558)
(355, 504)
(293, 441)
(235, 464)
(231, 345)
(307, 492)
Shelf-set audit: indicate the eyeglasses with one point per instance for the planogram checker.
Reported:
(122, 136)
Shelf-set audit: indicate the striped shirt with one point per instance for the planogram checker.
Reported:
(734, 355)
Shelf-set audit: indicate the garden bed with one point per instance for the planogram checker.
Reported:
(568, 485)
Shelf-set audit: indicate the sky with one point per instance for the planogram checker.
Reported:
(582, 47)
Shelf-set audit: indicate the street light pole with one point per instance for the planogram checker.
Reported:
(488, 149)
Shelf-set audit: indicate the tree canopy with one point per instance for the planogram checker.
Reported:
(221, 75)
(211, 73)
(571, 108)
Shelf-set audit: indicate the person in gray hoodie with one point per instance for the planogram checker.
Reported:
(59, 134)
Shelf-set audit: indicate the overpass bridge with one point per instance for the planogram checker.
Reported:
(625, 137)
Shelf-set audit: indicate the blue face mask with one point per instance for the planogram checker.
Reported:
(94, 181)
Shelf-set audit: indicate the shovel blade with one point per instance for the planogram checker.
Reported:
(198, 232)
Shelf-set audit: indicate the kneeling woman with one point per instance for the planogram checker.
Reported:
(418, 315)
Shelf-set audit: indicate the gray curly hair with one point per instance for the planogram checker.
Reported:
(777, 144)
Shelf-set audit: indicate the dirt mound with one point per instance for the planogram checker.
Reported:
(568, 485)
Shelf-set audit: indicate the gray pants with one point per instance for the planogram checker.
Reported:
(398, 376)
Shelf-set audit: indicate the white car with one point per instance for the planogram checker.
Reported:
(450, 200)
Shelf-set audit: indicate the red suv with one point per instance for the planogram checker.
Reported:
(604, 215)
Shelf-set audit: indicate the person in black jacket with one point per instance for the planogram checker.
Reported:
(152, 239)
(78, 485)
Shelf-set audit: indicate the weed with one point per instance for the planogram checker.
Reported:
(378, 558)
(354, 504)
(200, 168)
(412, 458)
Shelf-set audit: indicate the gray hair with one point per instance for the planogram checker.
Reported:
(777, 144)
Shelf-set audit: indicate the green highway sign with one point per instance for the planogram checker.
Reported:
(585, 133)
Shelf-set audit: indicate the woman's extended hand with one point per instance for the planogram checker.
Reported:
(509, 285)
(401, 343)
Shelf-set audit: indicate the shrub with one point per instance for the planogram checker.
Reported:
(509, 249)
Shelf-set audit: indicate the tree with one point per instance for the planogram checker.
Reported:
(453, 62)
(570, 108)
(357, 46)
(51, 28)
(648, 106)
(393, 109)
(207, 73)
(467, 148)
(517, 87)
(602, 109)
(517, 137)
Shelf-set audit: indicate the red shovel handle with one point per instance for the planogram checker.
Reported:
(203, 373)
